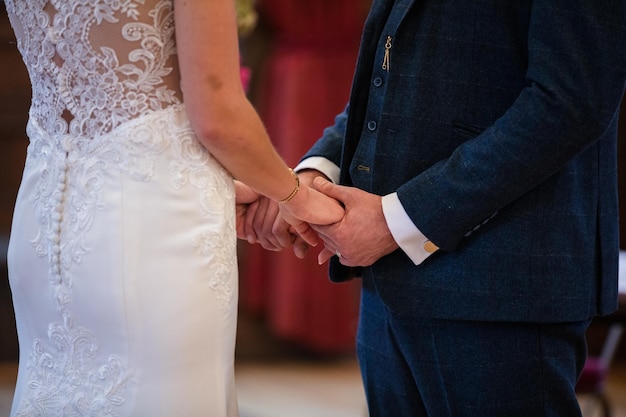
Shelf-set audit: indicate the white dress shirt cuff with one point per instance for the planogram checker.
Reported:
(410, 239)
(322, 165)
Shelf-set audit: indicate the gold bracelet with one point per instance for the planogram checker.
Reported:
(295, 189)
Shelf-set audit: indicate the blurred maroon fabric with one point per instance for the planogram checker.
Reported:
(304, 82)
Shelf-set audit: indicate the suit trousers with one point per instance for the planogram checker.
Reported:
(413, 367)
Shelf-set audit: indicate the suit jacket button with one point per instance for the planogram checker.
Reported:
(371, 125)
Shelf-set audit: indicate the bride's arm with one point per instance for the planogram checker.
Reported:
(225, 121)
(221, 115)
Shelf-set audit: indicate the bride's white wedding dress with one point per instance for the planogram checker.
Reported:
(122, 257)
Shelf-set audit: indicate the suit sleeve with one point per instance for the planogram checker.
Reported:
(330, 145)
(574, 84)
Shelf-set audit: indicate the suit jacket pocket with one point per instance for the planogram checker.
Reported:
(467, 129)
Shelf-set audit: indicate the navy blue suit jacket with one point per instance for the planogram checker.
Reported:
(496, 124)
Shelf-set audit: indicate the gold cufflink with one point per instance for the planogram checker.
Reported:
(430, 247)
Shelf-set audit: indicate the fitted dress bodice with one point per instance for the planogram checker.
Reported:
(95, 65)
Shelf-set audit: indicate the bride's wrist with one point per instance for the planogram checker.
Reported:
(295, 190)
(300, 201)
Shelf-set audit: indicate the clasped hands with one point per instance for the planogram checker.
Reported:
(349, 221)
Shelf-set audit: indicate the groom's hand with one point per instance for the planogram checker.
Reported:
(362, 236)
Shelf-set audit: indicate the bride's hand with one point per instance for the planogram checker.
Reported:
(258, 221)
(246, 205)
(309, 206)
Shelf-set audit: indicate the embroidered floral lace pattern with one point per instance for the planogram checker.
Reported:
(86, 99)
(96, 86)
(214, 242)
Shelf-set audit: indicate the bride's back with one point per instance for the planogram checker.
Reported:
(122, 254)
(94, 65)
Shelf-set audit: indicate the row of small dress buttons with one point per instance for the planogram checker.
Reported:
(57, 217)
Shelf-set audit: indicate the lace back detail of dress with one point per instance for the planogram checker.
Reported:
(95, 64)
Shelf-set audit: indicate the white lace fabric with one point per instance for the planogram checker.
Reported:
(96, 63)
(118, 197)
